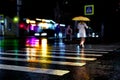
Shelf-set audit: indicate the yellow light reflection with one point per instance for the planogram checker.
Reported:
(81, 72)
(37, 53)
(44, 53)
(44, 41)
(31, 53)
(31, 57)
(32, 45)
(44, 47)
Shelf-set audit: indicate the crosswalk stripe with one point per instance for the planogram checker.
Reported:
(45, 61)
(108, 48)
(50, 56)
(95, 50)
(99, 49)
(33, 69)
(72, 51)
(76, 54)
(66, 54)
(86, 49)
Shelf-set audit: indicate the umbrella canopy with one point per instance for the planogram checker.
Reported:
(80, 18)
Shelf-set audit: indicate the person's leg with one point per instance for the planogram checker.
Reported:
(82, 41)
(57, 35)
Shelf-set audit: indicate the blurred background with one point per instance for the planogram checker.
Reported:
(104, 20)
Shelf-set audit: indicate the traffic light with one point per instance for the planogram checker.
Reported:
(21, 25)
(16, 19)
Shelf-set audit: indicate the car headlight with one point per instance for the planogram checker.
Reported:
(37, 34)
(43, 34)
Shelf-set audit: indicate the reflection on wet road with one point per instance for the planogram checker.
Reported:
(33, 55)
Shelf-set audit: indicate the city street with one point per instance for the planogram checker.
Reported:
(44, 40)
(42, 59)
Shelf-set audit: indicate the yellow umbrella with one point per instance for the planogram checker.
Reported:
(80, 18)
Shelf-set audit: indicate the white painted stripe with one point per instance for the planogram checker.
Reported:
(50, 56)
(80, 54)
(66, 53)
(77, 53)
(34, 70)
(80, 51)
(85, 51)
(102, 50)
(46, 61)
(95, 52)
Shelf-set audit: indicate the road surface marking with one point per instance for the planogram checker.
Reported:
(34, 70)
(45, 61)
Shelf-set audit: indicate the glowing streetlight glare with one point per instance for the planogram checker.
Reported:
(16, 19)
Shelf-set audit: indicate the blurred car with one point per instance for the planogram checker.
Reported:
(48, 33)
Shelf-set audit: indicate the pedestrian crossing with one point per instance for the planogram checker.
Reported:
(47, 61)
(36, 70)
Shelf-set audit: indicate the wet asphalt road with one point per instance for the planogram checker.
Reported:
(35, 59)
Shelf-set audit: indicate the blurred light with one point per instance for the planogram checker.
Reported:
(38, 19)
(44, 25)
(43, 34)
(78, 35)
(44, 42)
(66, 2)
(37, 34)
(45, 20)
(32, 21)
(21, 25)
(60, 35)
(53, 21)
(31, 53)
(97, 35)
(2, 21)
(32, 26)
(62, 25)
(33, 42)
(27, 21)
(93, 34)
(16, 19)
(44, 47)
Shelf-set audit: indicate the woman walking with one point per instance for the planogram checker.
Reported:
(82, 32)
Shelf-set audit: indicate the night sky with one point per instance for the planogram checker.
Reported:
(66, 9)
(45, 8)
(37, 8)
